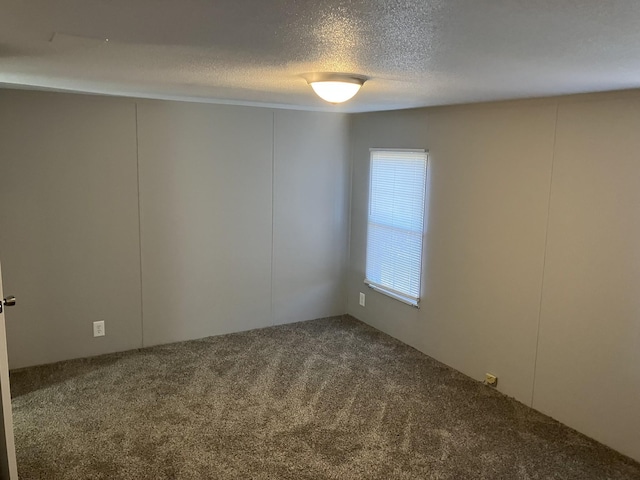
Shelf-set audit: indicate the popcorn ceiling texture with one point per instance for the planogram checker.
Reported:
(417, 52)
(325, 399)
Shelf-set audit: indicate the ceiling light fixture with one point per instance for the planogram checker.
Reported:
(335, 87)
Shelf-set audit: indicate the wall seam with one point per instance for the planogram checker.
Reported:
(139, 230)
(544, 258)
(273, 168)
(347, 286)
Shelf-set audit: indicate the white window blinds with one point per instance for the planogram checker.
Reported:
(396, 223)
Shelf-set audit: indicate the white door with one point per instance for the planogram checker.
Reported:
(8, 465)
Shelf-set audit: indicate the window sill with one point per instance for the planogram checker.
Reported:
(396, 296)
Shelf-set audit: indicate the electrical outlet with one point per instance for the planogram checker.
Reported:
(361, 299)
(98, 329)
(491, 380)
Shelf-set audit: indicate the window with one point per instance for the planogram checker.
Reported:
(396, 223)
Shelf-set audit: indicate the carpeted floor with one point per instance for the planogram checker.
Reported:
(326, 399)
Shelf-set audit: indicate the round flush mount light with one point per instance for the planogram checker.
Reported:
(335, 87)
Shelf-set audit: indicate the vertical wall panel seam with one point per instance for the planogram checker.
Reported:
(139, 230)
(273, 213)
(544, 257)
(347, 268)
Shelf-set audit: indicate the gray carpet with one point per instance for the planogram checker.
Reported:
(326, 399)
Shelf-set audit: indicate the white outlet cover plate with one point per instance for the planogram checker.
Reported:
(98, 329)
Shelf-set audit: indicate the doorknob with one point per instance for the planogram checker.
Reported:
(9, 301)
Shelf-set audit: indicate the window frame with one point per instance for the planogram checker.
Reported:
(403, 297)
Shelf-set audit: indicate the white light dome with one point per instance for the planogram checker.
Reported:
(335, 92)
(334, 87)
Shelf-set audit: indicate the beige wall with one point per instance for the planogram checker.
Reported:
(223, 230)
(68, 225)
(205, 203)
(488, 260)
(588, 371)
(311, 215)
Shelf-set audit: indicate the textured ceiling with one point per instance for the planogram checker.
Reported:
(417, 53)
